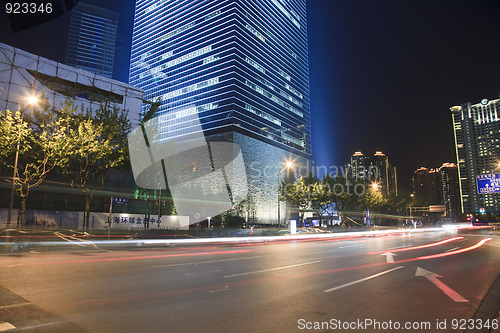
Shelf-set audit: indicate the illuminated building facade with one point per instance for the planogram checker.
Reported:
(477, 142)
(92, 39)
(438, 187)
(241, 67)
(375, 169)
(23, 73)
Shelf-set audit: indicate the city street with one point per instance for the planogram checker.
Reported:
(429, 280)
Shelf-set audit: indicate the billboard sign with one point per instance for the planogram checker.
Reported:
(488, 183)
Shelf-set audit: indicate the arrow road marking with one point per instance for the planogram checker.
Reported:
(362, 280)
(6, 326)
(389, 256)
(433, 277)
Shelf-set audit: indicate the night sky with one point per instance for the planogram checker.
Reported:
(383, 74)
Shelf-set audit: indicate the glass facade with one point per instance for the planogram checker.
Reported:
(241, 68)
(477, 142)
(22, 73)
(241, 65)
(92, 39)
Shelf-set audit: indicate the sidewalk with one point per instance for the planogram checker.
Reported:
(489, 308)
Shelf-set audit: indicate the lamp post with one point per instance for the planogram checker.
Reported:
(32, 100)
(288, 165)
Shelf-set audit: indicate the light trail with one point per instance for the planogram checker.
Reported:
(411, 248)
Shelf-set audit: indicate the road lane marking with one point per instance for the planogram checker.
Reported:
(273, 269)
(205, 262)
(14, 305)
(34, 327)
(5, 326)
(226, 288)
(359, 245)
(362, 280)
(433, 277)
(455, 248)
(390, 257)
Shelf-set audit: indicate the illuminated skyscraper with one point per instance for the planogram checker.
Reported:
(92, 39)
(438, 187)
(375, 169)
(241, 67)
(477, 134)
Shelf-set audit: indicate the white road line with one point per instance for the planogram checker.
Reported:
(14, 305)
(6, 326)
(397, 248)
(362, 280)
(452, 249)
(205, 262)
(40, 325)
(273, 269)
(226, 288)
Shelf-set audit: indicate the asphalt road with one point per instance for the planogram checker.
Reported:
(432, 281)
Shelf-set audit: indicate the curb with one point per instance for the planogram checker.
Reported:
(489, 309)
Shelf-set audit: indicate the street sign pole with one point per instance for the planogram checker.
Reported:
(110, 216)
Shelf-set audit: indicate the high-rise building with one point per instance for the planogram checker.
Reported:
(375, 169)
(358, 166)
(449, 189)
(425, 186)
(241, 68)
(438, 187)
(477, 141)
(92, 39)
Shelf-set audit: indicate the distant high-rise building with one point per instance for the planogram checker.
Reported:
(358, 165)
(438, 187)
(477, 141)
(425, 186)
(92, 39)
(449, 190)
(375, 169)
(241, 68)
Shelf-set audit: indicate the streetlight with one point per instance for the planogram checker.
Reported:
(32, 100)
(288, 165)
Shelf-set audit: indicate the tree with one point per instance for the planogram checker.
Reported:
(39, 145)
(12, 131)
(300, 193)
(346, 194)
(397, 204)
(374, 200)
(95, 144)
(342, 194)
(323, 199)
